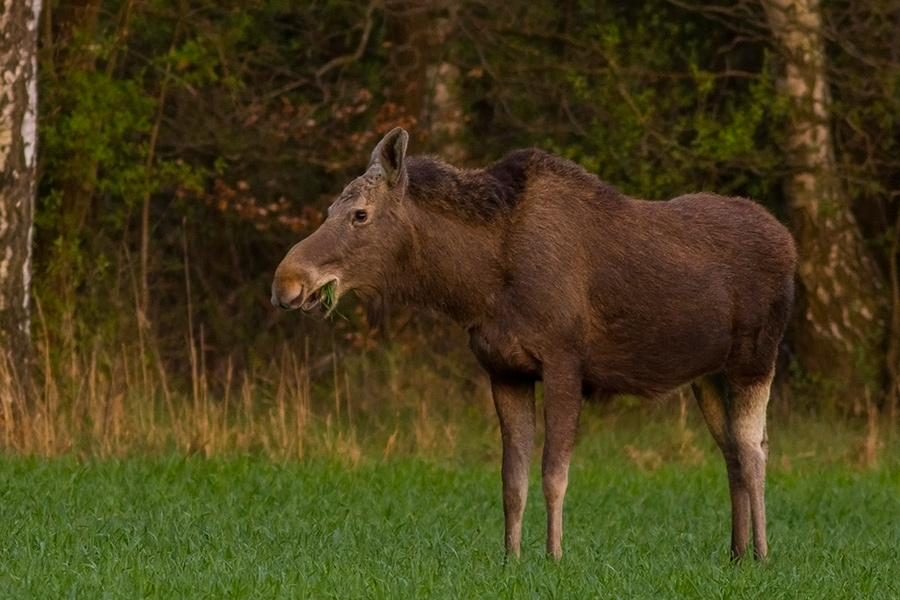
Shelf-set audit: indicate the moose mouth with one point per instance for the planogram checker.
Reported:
(324, 296)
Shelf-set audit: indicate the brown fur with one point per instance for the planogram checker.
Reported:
(559, 277)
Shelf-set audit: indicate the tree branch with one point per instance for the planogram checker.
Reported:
(357, 54)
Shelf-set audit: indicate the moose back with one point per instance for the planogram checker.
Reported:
(558, 277)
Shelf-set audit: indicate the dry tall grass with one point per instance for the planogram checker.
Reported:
(118, 402)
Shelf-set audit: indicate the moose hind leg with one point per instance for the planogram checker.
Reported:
(712, 394)
(748, 429)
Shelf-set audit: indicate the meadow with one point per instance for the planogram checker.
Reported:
(646, 517)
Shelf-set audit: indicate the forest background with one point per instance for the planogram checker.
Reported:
(184, 146)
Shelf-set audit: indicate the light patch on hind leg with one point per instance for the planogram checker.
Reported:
(748, 430)
(749, 413)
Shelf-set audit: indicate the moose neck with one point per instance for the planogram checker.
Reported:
(452, 264)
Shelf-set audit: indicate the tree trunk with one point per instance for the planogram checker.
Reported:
(18, 141)
(841, 320)
(406, 24)
(424, 87)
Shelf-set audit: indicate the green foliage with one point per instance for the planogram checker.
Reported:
(655, 99)
(94, 135)
(663, 134)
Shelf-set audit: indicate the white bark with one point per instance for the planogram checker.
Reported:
(797, 25)
(444, 109)
(842, 326)
(18, 144)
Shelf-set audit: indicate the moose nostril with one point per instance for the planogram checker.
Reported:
(285, 291)
(292, 284)
(281, 303)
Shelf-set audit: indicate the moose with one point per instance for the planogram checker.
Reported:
(558, 277)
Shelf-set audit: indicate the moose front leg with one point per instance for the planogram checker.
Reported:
(514, 400)
(562, 408)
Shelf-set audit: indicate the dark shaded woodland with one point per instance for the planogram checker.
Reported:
(184, 146)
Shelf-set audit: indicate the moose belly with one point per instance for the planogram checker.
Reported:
(655, 361)
(644, 361)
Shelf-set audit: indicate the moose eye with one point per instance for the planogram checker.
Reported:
(360, 216)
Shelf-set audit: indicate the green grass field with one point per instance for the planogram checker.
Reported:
(245, 527)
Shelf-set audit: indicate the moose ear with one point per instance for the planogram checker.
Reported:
(389, 154)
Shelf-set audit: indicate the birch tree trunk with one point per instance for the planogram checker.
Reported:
(842, 320)
(18, 140)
